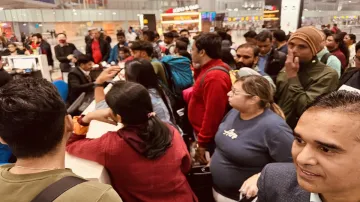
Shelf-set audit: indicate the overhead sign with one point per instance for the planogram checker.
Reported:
(183, 9)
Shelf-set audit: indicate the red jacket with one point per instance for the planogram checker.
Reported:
(135, 177)
(340, 55)
(208, 104)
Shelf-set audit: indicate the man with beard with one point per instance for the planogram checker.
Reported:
(304, 77)
(247, 55)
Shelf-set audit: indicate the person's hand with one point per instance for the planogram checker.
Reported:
(200, 155)
(107, 74)
(70, 57)
(27, 52)
(249, 188)
(292, 65)
(74, 60)
(103, 115)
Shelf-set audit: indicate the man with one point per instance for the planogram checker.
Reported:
(144, 50)
(97, 48)
(80, 80)
(124, 53)
(33, 122)
(247, 55)
(271, 61)
(335, 29)
(88, 37)
(131, 35)
(208, 104)
(64, 52)
(326, 155)
(115, 50)
(185, 33)
(169, 43)
(304, 78)
(327, 58)
(40, 46)
(250, 37)
(280, 41)
(149, 36)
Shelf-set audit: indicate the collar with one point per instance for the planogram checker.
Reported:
(322, 53)
(315, 198)
(267, 54)
(85, 72)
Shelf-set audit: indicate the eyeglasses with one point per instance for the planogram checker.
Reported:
(235, 92)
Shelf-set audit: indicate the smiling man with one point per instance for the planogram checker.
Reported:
(326, 155)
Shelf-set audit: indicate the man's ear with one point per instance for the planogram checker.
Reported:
(256, 60)
(2, 141)
(69, 126)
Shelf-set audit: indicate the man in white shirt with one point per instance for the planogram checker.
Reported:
(130, 35)
(325, 152)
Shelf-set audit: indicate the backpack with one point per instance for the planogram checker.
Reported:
(178, 72)
(325, 58)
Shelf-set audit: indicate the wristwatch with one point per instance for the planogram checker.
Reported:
(98, 85)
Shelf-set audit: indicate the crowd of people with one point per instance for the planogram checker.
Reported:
(266, 117)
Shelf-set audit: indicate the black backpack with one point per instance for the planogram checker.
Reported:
(325, 58)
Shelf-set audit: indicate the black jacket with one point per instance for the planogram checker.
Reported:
(78, 83)
(104, 47)
(351, 77)
(61, 54)
(274, 64)
(45, 47)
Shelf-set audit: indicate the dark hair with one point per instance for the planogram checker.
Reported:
(185, 30)
(259, 86)
(344, 101)
(227, 58)
(175, 34)
(143, 46)
(335, 25)
(62, 34)
(352, 37)
(12, 44)
(357, 46)
(184, 39)
(263, 36)
(125, 49)
(120, 33)
(83, 59)
(141, 71)
(150, 35)
(250, 34)
(279, 35)
(38, 35)
(169, 35)
(157, 35)
(132, 102)
(253, 47)
(130, 27)
(211, 43)
(327, 33)
(342, 46)
(32, 117)
(181, 45)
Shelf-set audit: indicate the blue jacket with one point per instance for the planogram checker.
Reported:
(115, 53)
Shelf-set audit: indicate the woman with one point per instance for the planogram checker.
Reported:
(146, 159)
(140, 71)
(350, 41)
(251, 135)
(336, 46)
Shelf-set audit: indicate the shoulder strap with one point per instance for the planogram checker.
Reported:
(211, 69)
(325, 58)
(57, 188)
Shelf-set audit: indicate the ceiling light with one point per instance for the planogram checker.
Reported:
(100, 13)
(40, 25)
(1, 8)
(114, 13)
(24, 24)
(236, 9)
(75, 13)
(249, 9)
(74, 10)
(349, 1)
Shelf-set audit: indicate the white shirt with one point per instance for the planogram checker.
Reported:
(315, 198)
(352, 51)
(131, 36)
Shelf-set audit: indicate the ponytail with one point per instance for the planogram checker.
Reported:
(157, 137)
(275, 108)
